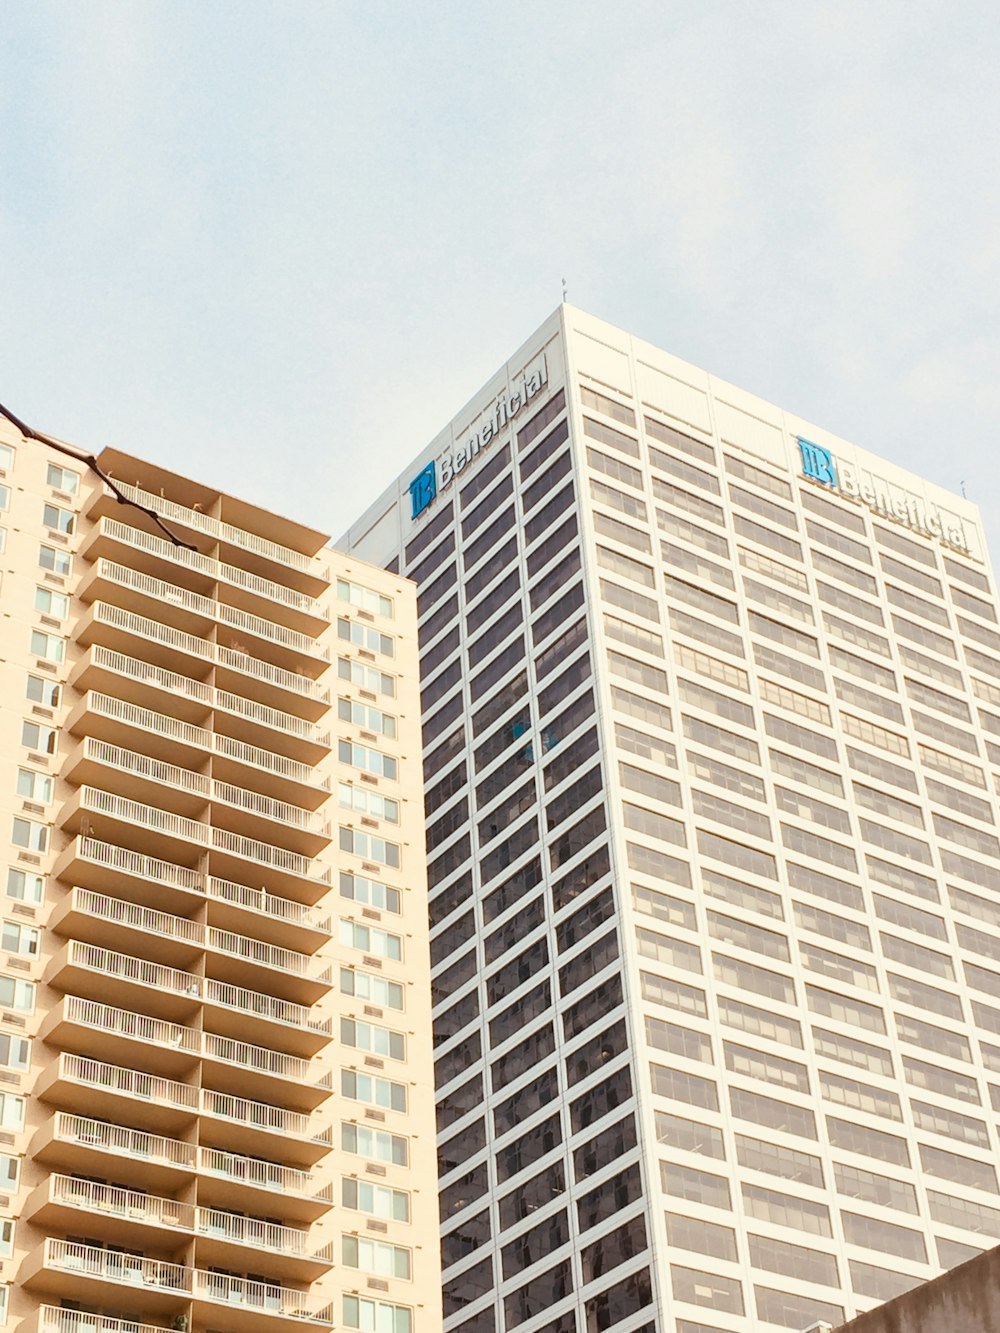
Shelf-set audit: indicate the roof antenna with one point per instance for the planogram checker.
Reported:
(564, 291)
(962, 484)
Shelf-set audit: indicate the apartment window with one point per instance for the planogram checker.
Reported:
(775, 1160)
(687, 1233)
(368, 677)
(62, 479)
(10, 1171)
(675, 1131)
(375, 849)
(20, 939)
(373, 1091)
(25, 887)
(6, 1238)
(51, 603)
(376, 990)
(364, 598)
(376, 1256)
(366, 636)
(371, 939)
(58, 562)
(26, 833)
(33, 786)
(376, 1316)
(787, 1210)
(42, 691)
(379, 1200)
(370, 892)
(372, 1037)
(15, 1052)
(11, 1111)
(49, 647)
(16, 994)
(59, 520)
(367, 802)
(375, 1143)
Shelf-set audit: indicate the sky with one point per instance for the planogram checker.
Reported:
(277, 245)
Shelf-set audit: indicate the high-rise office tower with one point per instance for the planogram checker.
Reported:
(217, 1101)
(711, 708)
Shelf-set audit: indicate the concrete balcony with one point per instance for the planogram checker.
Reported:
(115, 1215)
(178, 942)
(93, 1089)
(241, 810)
(95, 1276)
(78, 1145)
(248, 1070)
(253, 1307)
(245, 1184)
(97, 763)
(236, 1124)
(296, 694)
(108, 671)
(54, 1319)
(309, 573)
(160, 558)
(126, 724)
(224, 1239)
(258, 724)
(108, 581)
(123, 631)
(91, 863)
(93, 972)
(103, 1032)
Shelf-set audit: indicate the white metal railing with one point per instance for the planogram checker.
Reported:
(259, 1059)
(135, 669)
(225, 532)
(244, 1292)
(148, 868)
(120, 1139)
(146, 719)
(270, 717)
(137, 970)
(271, 762)
(144, 816)
(129, 1082)
(213, 569)
(273, 633)
(145, 628)
(285, 680)
(256, 951)
(142, 766)
(155, 588)
(266, 854)
(252, 1171)
(263, 1006)
(125, 1023)
(53, 1319)
(132, 1269)
(267, 807)
(251, 1231)
(132, 1204)
(137, 917)
(259, 900)
(262, 1115)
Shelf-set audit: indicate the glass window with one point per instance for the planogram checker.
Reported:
(50, 647)
(16, 994)
(11, 1111)
(375, 1143)
(888, 1237)
(51, 603)
(25, 887)
(42, 691)
(787, 1210)
(33, 786)
(26, 833)
(376, 1316)
(51, 558)
(59, 520)
(708, 1289)
(18, 938)
(788, 1163)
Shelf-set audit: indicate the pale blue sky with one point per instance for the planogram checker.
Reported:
(278, 245)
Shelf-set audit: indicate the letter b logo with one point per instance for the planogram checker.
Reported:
(423, 489)
(817, 463)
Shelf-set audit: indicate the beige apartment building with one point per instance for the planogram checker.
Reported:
(217, 1095)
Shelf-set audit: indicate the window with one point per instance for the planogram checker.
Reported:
(368, 677)
(51, 558)
(375, 849)
(49, 647)
(372, 1037)
(19, 995)
(363, 597)
(372, 761)
(370, 892)
(708, 1289)
(375, 1143)
(676, 1131)
(11, 1111)
(62, 479)
(41, 691)
(888, 1237)
(376, 1256)
(376, 990)
(51, 603)
(374, 1091)
(787, 1210)
(30, 835)
(376, 1316)
(366, 636)
(788, 1163)
(379, 1200)
(371, 939)
(17, 938)
(33, 786)
(59, 520)
(6, 1238)
(687, 1182)
(853, 1137)
(367, 802)
(15, 1052)
(24, 887)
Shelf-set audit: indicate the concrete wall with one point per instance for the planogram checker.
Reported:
(965, 1300)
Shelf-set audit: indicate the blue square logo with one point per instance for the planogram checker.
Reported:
(817, 462)
(423, 489)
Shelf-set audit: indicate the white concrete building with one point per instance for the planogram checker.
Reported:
(711, 710)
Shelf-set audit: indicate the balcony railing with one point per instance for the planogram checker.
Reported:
(262, 1296)
(121, 664)
(142, 627)
(138, 1027)
(53, 1319)
(225, 532)
(264, 671)
(142, 766)
(113, 1199)
(215, 570)
(151, 869)
(261, 1115)
(120, 1139)
(251, 1231)
(252, 1171)
(130, 1269)
(128, 1082)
